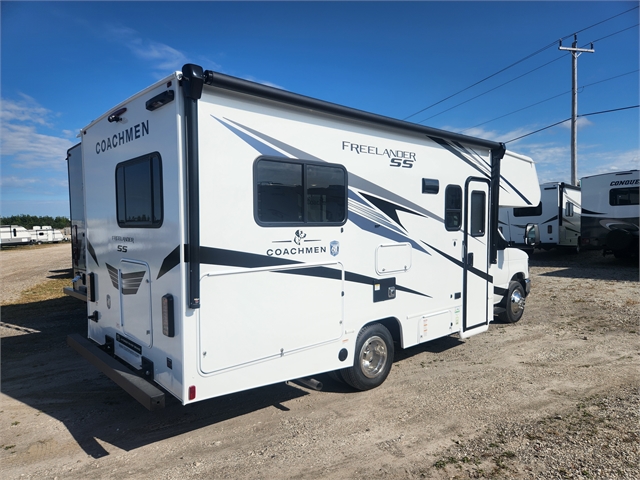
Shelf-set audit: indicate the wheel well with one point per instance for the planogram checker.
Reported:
(518, 277)
(393, 325)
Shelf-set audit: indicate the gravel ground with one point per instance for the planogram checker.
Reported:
(23, 267)
(553, 396)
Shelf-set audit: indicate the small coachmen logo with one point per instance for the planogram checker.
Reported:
(300, 235)
(334, 248)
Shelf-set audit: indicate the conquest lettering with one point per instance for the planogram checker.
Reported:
(128, 135)
(619, 183)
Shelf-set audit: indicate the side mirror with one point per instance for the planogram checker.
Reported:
(532, 234)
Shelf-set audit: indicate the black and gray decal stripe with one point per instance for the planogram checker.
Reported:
(92, 252)
(170, 261)
(354, 180)
(502, 179)
(443, 143)
(447, 146)
(231, 258)
(294, 152)
(388, 208)
(500, 291)
(475, 271)
(590, 212)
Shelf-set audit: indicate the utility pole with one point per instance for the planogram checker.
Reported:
(575, 53)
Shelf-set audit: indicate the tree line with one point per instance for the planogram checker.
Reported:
(29, 221)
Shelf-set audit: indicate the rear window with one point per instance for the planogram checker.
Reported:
(139, 192)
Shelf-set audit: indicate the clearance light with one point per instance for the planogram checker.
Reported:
(168, 322)
(192, 392)
(159, 100)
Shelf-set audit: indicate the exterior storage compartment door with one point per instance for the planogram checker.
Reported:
(262, 314)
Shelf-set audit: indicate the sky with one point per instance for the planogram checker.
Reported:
(487, 69)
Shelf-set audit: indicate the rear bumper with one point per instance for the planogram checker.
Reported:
(74, 293)
(143, 391)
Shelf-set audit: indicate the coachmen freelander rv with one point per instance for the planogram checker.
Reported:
(610, 212)
(11, 235)
(238, 235)
(557, 216)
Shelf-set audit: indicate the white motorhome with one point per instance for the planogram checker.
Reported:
(238, 235)
(12, 235)
(610, 212)
(557, 216)
(45, 234)
(77, 231)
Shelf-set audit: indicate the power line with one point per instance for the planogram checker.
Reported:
(518, 62)
(518, 77)
(492, 89)
(567, 119)
(546, 100)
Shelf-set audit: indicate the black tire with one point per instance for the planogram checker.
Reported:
(373, 358)
(336, 376)
(513, 303)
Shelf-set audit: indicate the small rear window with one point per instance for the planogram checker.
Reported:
(139, 192)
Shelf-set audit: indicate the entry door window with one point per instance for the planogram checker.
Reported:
(478, 214)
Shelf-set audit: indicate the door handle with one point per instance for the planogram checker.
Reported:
(470, 259)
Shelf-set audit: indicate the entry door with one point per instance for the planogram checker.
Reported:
(476, 255)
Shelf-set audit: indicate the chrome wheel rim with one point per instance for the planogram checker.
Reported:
(517, 302)
(373, 357)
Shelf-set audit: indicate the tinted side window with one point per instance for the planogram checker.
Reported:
(477, 214)
(326, 200)
(139, 192)
(528, 211)
(279, 191)
(299, 193)
(624, 196)
(453, 207)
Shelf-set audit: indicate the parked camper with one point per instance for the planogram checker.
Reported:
(610, 212)
(12, 235)
(238, 235)
(77, 229)
(45, 234)
(557, 216)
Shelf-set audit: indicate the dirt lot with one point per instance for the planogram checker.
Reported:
(554, 396)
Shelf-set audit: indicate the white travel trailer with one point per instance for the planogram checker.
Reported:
(239, 235)
(12, 235)
(557, 216)
(610, 212)
(77, 232)
(45, 234)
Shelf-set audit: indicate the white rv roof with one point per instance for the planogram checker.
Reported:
(625, 172)
(173, 76)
